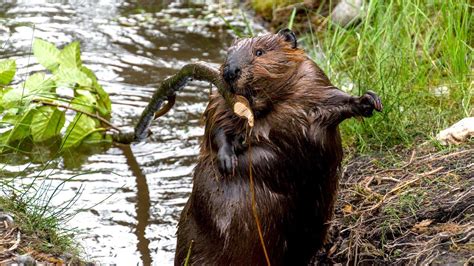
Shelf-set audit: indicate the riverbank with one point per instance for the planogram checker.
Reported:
(29, 235)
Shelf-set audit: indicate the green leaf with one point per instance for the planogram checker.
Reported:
(46, 53)
(38, 84)
(70, 56)
(13, 97)
(68, 77)
(21, 128)
(103, 104)
(47, 123)
(7, 71)
(84, 102)
(81, 127)
(96, 138)
(10, 118)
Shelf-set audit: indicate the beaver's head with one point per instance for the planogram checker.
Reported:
(262, 68)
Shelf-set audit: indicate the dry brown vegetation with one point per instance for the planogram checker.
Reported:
(413, 209)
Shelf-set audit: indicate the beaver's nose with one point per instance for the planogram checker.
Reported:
(231, 73)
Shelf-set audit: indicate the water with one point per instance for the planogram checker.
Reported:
(131, 46)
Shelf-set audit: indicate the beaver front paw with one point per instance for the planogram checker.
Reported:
(227, 160)
(368, 102)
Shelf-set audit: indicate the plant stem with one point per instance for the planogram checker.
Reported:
(103, 120)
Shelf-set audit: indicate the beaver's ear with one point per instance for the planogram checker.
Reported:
(289, 37)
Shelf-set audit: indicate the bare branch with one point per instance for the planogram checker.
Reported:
(167, 91)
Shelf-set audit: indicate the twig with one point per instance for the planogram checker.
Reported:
(103, 120)
(405, 184)
(430, 159)
(17, 242)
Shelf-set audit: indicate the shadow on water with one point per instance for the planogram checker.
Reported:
(142, 205)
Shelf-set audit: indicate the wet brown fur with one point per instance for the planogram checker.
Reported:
(296, 155)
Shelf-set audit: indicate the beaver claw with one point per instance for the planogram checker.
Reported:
(368, 102)
(227, 160)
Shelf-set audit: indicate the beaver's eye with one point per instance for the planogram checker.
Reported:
(259, 52)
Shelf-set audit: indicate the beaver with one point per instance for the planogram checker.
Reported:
(294, 151)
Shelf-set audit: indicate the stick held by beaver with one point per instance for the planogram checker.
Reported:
(296, 155)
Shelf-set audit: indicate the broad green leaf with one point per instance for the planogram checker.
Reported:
(7, 71)
(2, 92)
(46, 53)
(81, 127)
(21, 128)
(47, 122)
(13, 97)
(103, 104)
(38, 84)
(89, 73)
(68, 77)
(85, 103)
(97, 137)
(35, 86)
(10, 118)
(70, 56)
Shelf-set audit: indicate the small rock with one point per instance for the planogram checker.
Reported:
(441, 91)
(346, 12)
(25, 260)
(6, 217)
(457, 133)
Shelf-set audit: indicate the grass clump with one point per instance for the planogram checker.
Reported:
(43, 232)
(417, 55)
(39, 223)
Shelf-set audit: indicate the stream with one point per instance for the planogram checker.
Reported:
(130, 197)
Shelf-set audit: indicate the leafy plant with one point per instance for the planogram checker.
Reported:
(34, 110)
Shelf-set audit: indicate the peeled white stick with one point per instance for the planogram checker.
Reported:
(457, 133)
(242, 109)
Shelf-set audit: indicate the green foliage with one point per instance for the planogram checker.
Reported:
(80, 128)
(34, 111)
(405, 51)
(46, 53)
(47, 123)
(265, 7)
(7, 71)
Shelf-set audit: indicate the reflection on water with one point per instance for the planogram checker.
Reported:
(131, 46)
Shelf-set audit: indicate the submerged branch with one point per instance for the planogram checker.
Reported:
(167, 91)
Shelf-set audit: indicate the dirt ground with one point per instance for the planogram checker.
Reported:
(413, 208)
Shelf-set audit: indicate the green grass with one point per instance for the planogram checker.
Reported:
(41, 224)
(43, 233)
(403, 50)
(265, 7)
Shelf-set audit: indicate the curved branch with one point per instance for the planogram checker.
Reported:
(167, 91)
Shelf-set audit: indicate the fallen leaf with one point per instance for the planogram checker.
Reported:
(422, 226)
(347, 209)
